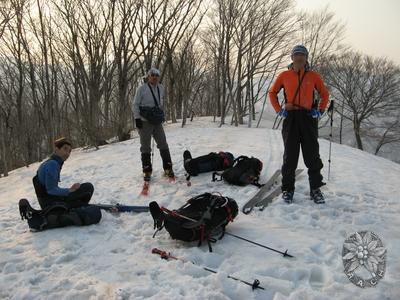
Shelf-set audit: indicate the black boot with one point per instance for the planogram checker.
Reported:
(146, 166)
(36, 221)
(287, 196)
(317, 196)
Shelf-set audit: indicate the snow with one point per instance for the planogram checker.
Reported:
(113, 260)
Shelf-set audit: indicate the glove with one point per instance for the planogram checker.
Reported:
(316, 114)
(139, 123)
(283, 113)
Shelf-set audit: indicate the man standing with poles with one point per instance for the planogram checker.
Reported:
(300, 125)
(149, 118)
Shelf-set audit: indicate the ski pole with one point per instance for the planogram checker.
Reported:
(152, 150)
(231, 234)
(276, 118)
(167, 255)
(330, 109)
(263, 246)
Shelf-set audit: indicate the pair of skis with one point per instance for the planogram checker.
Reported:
(266, 194)
(146, 185)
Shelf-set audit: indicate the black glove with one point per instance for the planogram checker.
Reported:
(139, 123)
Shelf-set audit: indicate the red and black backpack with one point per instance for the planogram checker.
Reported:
(202, 218)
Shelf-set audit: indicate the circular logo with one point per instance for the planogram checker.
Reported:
(364, 258)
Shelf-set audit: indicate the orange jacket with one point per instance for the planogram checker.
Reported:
(289, 81)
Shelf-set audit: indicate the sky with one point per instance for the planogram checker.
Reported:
(372, 26)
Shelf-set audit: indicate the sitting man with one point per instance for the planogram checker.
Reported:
(60, 206)
(48, 175)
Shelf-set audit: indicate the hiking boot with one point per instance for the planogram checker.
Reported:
(169, 173)
(317, 196)
(36, 221)
(147, 175)
(287, 196)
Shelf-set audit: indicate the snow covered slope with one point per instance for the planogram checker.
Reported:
(113, 260)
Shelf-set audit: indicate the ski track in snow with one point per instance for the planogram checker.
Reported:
(113, 260)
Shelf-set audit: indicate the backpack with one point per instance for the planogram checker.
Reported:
(58, 215)
(207, 163)
(245, 171)
(202, 218)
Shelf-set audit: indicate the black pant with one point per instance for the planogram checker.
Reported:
(80, 197)
(300, 129)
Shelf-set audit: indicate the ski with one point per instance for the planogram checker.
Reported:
(274, 192)
(171, 179)
(167, 255)
(248, 207)
(145, 188)
(120, 208)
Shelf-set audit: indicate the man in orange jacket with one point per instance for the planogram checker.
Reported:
(300, 125)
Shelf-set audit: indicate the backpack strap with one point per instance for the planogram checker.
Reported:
(239, 158)
(188, 176)
(56, 206)
(225, 159)
(256, 183)
(214, 176)
(154, 97)
(157, 230)
(229, 211)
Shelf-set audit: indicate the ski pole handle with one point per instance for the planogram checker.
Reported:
(163, 254)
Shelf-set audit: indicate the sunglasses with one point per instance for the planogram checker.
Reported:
(154, 75)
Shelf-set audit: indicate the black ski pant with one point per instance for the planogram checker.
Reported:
(300, 130)
(80, 197)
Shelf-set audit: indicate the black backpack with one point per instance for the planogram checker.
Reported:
(207, 163)
(58, 215)
(202, 218)
(245, 171)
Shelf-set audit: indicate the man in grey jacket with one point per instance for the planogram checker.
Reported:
(151, 94)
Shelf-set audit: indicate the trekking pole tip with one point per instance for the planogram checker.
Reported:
(287, 254)
(256, 284)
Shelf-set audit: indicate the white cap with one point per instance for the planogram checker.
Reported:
(153, 71)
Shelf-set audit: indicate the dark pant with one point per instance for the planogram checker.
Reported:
(157, 132)
(300, 130)
(80, 197)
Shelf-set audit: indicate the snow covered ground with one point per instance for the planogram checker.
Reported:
(113, 260)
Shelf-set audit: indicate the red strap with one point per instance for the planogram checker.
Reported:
(225, 158)
(202, 233)
(228, 209)
(170, 212)
(163, 254)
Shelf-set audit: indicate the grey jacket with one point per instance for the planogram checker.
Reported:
(144, 97)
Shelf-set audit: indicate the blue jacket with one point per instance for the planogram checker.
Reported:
(49, 176)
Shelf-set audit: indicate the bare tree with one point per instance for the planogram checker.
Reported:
(322, 34)
(384, 129)
(363, 87)
(249, 39)
(87, 41)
